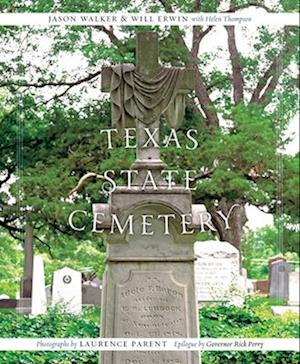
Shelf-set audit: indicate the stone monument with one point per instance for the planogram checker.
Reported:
(91, 294)
(24, 303)
(279, 279)
(217, 272)
(294, 294)
(39, 298)
(148, 287)
(67, 290)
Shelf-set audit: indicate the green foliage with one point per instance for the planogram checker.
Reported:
(254, 320)
(55, 324)
(250, 357)
(50, 136)
(84, 256)
(258, 246)
(290, 187)
(11, 259)
(249, 143)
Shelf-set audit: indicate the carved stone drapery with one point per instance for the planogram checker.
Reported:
(136, 96)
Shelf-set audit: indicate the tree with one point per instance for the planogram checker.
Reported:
(10, 265)
(241, 113)
(260, 245)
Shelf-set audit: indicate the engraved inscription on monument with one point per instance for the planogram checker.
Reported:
(216, 270)
(151, 304)
(214, 277)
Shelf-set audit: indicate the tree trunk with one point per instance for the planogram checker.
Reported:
(237, 220)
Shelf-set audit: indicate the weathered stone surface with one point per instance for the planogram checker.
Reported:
(67, 289)
(8, 303)
(155, 301)
(149, 291)
(217, 271)
(294, 288)
(91, 294)
(147, 64)
(250, 286)
(279, 279)
(276, 258)
(39, 299)
(261, 286)
(49, 294)
(26, 280)
(148, 286)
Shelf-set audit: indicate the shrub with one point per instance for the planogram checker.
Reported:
(55, 324)
(255, 319)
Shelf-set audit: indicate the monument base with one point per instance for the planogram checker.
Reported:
(148, 286)
(149, 299)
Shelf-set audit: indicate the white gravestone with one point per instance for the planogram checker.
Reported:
(67, 290)
(294, 289)
(243, 280)
(39, 299)
(217, 272)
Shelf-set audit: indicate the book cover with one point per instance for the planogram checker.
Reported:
(149, 182)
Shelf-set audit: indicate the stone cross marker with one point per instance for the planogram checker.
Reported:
(165, 90)
(148, 285)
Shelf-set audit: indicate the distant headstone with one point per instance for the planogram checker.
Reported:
(243, 280)
(217, 271)
(276, 258)
(4, 297)
(97, 282)
(261, 286)
(91, 294)
(250, 286)
(39, 299)
(8, 303)
(49, 294)
(281, 310)
(294, 289)
(67, 290)
(279, 279)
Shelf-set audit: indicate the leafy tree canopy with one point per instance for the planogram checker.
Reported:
(52, 112)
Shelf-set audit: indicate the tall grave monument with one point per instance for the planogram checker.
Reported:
(24, 304)
(148, 287)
